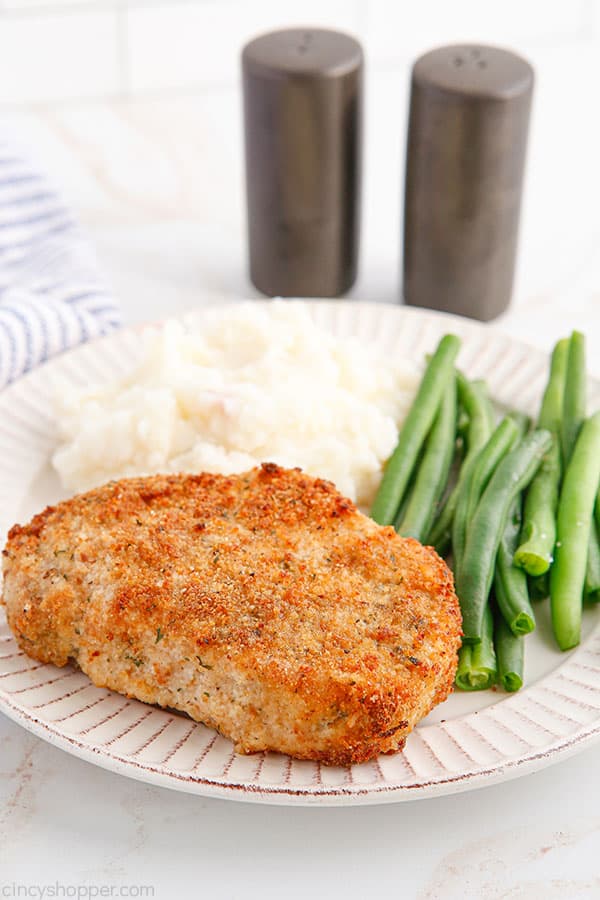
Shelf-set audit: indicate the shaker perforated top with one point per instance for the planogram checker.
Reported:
(303, 51)
(489, 72)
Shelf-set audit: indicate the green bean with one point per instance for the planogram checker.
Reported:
(522, 420)
(415, 429)
(486, 466)
(440, 535)
(462, 424)
(473, 486)
(539, 586)
(477, 667)
(591, 589)
(476, 567)
(574, 401)
(593, 562)
(481, 386)
(476, 403)
(433, 470)
(538, 534)
(551, 410)
(514, 605)
(510, 582)
(510, 654)
(574, 518)
(473, 398)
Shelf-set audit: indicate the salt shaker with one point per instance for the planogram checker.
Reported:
(467, 140)
(302, 117)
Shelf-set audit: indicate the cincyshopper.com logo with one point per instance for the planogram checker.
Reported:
(59, 890)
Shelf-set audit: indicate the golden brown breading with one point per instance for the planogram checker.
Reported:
(262, 604)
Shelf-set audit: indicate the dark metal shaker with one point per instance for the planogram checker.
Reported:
(468, 125)
(302, 116)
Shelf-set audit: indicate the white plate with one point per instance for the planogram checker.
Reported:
(469, 741)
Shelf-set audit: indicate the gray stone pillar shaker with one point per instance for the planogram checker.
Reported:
(468, 124)
(302, 116)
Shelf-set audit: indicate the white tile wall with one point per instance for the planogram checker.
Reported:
(393, 28)
(16, 6)
(64, 49)
(52, 56)
(198, 44)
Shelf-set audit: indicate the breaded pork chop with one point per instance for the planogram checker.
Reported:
(263, 604)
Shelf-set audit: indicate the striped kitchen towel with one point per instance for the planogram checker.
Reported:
(51, 294)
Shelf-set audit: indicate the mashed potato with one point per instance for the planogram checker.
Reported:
(234, 387)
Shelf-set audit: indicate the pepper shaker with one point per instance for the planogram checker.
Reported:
(467, 140)
(302, 115)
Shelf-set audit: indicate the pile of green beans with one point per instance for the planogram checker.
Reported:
(515, 509)
(560, 536)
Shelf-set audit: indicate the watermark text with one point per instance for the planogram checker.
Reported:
(73, 891)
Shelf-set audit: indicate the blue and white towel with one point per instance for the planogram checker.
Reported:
(51, 294)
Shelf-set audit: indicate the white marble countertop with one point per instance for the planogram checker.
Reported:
(159, 185)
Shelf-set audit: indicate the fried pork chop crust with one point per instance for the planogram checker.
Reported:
(263, 604)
